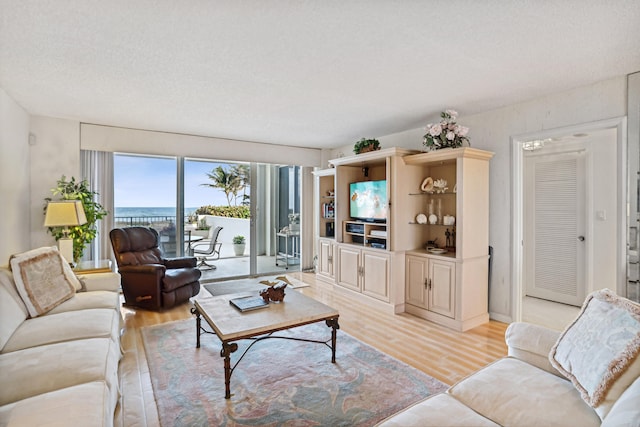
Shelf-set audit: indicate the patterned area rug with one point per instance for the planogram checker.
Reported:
(279, 382)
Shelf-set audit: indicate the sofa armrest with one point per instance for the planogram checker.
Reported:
(101, 281)
(183, 262)
(532, 344)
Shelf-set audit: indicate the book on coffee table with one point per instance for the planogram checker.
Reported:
(248, 303)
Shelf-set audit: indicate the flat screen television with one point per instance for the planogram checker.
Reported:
(368, 201)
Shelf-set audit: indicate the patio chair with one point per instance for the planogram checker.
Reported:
(208, 250)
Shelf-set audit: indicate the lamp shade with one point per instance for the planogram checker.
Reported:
(64, 213)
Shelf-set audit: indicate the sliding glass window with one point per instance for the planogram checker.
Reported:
(238, 219)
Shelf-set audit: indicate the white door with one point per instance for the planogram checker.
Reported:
(555, 226)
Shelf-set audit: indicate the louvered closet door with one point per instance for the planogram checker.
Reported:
(555, 240)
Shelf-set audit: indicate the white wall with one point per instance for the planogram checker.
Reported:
(492, 131)
(55, 152)
(14, 178)
(115, 139)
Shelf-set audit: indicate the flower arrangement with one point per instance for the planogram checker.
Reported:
(446, 133)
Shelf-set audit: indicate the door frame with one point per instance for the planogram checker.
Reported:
(517, 200)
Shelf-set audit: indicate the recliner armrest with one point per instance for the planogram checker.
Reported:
(532, 344)
(141, 269)
(182, 262)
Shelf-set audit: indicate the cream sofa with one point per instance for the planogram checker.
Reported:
(61, 367)
(524, 389)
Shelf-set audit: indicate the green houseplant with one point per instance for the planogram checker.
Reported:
(366, 145)
(202, 225)
(239, 243)
(83, 234)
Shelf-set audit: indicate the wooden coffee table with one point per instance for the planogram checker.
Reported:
(230, 324)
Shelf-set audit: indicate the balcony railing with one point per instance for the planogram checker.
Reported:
(156, 222)
(163, 224)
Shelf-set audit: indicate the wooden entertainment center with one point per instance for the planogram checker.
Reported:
(387, 263)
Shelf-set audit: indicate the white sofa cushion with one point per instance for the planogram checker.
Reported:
(440, 410)
(532, 344)
(626, 411)
(87, 405)
(33, 371)
(85, 300)
(101, 281)
(599, 350)
(12, 309)
(69, 326)
(43, 279)
(511, 392)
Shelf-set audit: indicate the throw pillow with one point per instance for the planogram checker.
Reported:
(599, 351)
(43, 279)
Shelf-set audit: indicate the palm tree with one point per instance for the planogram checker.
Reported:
(225, 181)
(243, 172)
(231, 180)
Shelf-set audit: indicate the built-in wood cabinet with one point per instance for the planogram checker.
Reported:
(431, 284)
(325, 264)
(457, 289)
(388, 261)
(326, 200)
(363, 271)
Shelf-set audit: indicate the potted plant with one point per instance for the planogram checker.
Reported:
(238, 245)
(191, 222)
(366, 145)
(83, 234)
(202, 229)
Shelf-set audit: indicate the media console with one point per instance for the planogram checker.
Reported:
(368, 234)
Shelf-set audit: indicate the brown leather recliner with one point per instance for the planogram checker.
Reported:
(149, 280)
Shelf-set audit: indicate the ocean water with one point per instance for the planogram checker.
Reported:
(148, 212)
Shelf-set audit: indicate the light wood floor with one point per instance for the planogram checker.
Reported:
(440, 352)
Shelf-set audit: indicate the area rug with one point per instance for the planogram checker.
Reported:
(244, 285)
(278, 382)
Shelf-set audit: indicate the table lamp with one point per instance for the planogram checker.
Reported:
(65, 213)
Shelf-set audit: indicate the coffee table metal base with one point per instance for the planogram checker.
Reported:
(229, 347)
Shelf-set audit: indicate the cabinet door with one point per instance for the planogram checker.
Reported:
(442, 276)
(349, 267)
(416, 282)
(375, 277)
(325, 257)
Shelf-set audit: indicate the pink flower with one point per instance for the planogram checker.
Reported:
(463, 131)
(452, 113)
(451, 136)
(435, 130)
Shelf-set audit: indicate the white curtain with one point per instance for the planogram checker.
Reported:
(97, 169)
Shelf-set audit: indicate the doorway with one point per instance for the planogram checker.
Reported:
(554, 243)
(569, 219)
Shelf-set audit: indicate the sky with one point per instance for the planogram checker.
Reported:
(151, 182)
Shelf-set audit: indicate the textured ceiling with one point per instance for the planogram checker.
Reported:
(306, 73)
